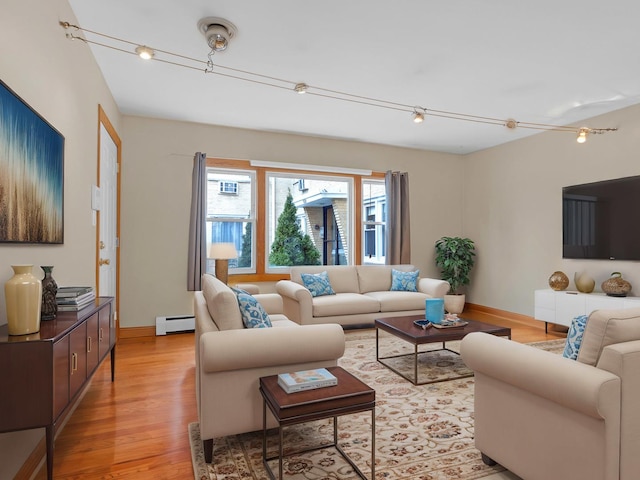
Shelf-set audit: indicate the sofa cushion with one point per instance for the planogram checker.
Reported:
(399, 301)
(377, 278)
(343, 278)
(404, 281)
(374, 278)
(221, 303)
(253, 314)
(317, 283)
(344, 304)
(574, 337)
(606, 327)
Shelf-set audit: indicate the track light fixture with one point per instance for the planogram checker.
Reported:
(582, 135)
(145, 52)
(219, 31)
(418, 114)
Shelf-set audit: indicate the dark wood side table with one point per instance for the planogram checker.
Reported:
(350, 395)
(42, 374)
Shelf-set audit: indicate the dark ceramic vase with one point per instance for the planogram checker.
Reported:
(49, 308)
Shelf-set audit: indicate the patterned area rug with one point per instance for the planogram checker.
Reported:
(423, 432)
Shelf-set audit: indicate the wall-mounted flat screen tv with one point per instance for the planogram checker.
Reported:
(601, 220)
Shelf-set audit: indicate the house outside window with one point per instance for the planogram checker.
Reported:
(374, 218)
(231, 216)
(323, 212)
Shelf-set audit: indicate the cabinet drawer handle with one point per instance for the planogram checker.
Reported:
(88, 344)
(101, 336)
(74, 362)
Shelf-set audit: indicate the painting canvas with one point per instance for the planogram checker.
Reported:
(31, 174)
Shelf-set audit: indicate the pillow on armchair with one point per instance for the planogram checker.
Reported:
(574, 337)
(253, 314)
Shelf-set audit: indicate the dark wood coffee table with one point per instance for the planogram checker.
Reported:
(350, 395)
(407, 330)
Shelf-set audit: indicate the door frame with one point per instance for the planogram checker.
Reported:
(104, 121)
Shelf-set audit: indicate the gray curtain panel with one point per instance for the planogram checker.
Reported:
(197, 261)
(398, 218)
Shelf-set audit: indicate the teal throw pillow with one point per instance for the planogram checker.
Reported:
(404, 281)
(318, 284)
(574, 337)
(253, 314)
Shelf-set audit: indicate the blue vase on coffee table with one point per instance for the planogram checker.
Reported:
(434, 310)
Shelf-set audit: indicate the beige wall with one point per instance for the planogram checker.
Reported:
(156, 192)
(61, 81)
(513, 208)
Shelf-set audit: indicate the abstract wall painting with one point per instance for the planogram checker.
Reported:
(31, 174)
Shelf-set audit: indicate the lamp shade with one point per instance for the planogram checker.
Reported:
(223, 250)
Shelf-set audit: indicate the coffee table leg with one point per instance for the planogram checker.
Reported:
(281, 450)
(415, 364)
(373, 444)
(377, 353)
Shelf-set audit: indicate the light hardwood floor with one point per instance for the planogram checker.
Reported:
(136, 427)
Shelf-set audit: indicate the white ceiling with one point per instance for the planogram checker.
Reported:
(548, 61)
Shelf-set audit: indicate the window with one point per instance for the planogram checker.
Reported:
(272, 214)
(374, 218)
(308, 220)
(232, 218)
(228, 187)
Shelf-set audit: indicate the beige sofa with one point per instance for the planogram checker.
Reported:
(362, 295)
(543, 416)
(230, 359)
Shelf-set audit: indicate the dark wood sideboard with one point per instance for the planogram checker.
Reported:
(43, 374)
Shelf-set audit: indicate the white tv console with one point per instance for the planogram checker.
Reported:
(560, 307)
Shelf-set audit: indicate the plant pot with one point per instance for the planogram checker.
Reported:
(454, 303)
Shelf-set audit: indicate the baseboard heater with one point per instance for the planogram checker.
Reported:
(175, 324)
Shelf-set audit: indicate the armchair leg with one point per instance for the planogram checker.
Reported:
(488, 460)
(207, 446)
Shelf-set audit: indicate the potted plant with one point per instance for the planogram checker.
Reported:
(455, 258)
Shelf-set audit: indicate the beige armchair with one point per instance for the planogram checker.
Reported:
(230, 358)
(543, 416)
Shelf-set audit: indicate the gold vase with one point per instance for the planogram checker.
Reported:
(616, 286)
(584, 283)
(558, 281)
(23, 294)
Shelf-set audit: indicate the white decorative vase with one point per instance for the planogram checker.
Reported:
(454, 303)
(584, 283)
(23, 294)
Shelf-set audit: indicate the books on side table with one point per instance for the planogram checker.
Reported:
(306, 380)
(72, 299)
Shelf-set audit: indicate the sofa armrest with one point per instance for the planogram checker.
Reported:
(434, 287)
(297, 301)
(272, 302)
(574, 385)
(265, 347)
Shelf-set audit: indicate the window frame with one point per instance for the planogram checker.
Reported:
(259, 235)
(252, 219)
(301, 177)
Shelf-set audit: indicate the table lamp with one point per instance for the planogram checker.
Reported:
(222, 252)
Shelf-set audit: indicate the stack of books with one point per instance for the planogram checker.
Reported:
(306, 380)
(72, 299)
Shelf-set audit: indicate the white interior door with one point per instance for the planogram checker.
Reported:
(108, 242)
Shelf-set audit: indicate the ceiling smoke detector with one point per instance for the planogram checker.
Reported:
(217, 31)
